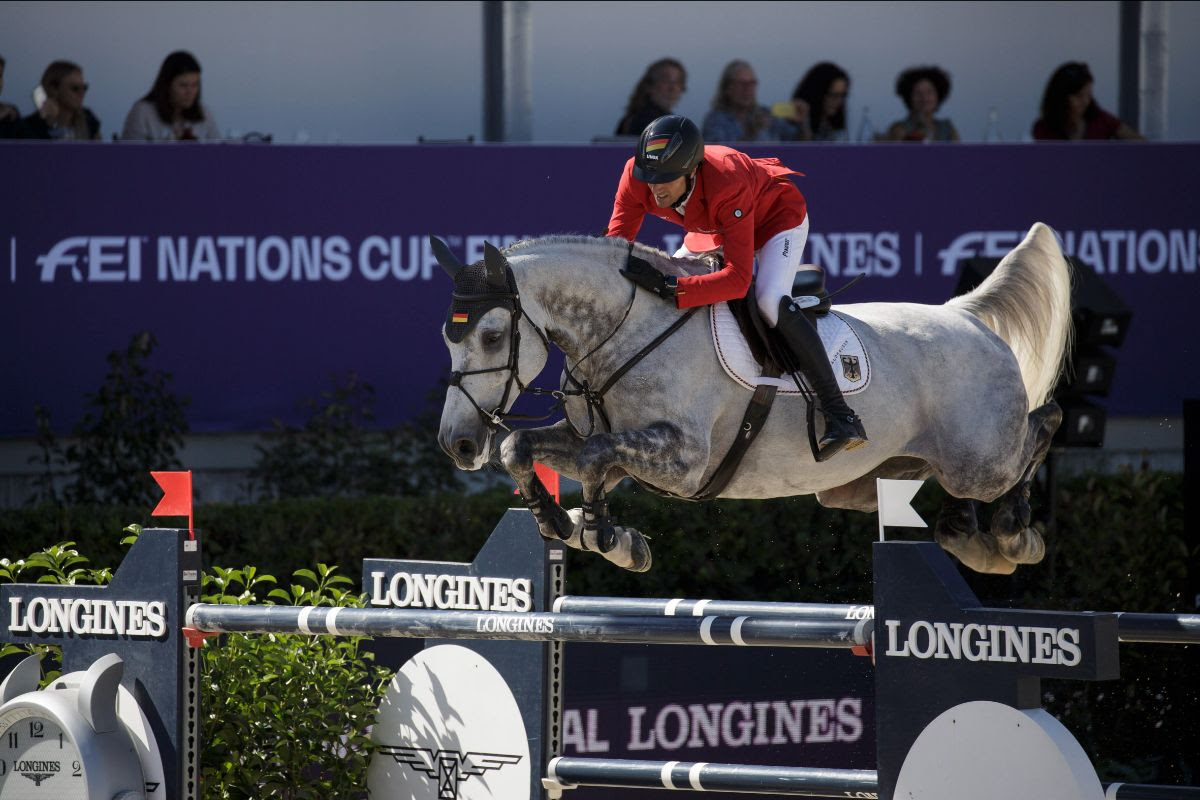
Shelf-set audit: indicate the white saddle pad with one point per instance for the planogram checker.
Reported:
(846, 353)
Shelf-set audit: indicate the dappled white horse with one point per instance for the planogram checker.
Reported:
(959, 391)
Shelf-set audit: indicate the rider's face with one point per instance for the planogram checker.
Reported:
(668, 194)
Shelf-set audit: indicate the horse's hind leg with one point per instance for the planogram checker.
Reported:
(1019, 542)
(957, 531)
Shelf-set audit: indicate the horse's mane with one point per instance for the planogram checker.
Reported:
(615, 251)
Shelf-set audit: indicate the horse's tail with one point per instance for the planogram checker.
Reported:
(1026, 301)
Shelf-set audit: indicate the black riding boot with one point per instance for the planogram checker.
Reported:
(843, 428)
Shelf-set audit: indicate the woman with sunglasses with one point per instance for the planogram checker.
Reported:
(62, 116)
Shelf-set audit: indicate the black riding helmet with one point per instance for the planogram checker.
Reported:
(670, 148)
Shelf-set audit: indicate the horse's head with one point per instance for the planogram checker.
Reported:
(495, 351)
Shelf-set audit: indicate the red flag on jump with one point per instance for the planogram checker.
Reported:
(549, 479)
(177, 496)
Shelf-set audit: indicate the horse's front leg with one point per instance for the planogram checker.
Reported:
(556, 446)
(657, 454)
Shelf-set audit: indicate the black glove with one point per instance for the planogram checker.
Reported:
(650, 279)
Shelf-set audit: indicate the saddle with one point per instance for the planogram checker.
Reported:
(768, 348)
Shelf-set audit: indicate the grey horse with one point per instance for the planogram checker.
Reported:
(960, 392)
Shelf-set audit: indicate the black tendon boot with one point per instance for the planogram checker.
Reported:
(843, 428)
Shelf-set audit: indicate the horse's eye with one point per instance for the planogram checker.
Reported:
(492, 338)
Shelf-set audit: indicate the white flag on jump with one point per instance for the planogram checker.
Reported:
(894, 504)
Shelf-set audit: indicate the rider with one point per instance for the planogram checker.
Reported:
(722, 197)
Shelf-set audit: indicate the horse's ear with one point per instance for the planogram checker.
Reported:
(497, 266)
(444, 257)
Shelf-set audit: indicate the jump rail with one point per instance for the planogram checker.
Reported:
(569, 773)
(564, 773)
(1131, 626)
(946, 668)
(538, 626)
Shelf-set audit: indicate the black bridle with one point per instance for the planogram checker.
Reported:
(497, 418)
(510, 299)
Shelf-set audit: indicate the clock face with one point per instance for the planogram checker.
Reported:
(38, 760)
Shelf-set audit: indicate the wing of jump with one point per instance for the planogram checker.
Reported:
(419, 758)
(479, 763)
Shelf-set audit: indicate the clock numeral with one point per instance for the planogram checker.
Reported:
(3, 767)
(60, 740)
(36, 729)
(77, 769)
(13, 739)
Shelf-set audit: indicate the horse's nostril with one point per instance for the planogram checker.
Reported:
(465, 448)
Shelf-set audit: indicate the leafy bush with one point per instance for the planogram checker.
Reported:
(286, 716)
(336, 453)
(1119, 544)
(133, 423)
(283, 716)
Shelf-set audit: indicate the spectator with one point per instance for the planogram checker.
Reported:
(10, 115)
(736, 115)
(171, 111)
(62, 116)
(820, 100)
(1070, 112)
(923, 90)
(659, 89)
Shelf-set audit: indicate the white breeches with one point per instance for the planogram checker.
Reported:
(776, 265)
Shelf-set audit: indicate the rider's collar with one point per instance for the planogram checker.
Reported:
(680, 205)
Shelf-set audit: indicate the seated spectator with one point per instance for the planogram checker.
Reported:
(820, 100)
(1070, 112)
(171, 111)
(62, 116)
(923, 90)
(736, 115)
(655, 95)
(10, 115)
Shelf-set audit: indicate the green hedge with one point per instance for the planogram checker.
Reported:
(1118, 545)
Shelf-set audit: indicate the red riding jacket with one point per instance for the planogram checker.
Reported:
(738, 202)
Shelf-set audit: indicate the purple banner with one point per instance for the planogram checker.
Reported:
(264, 269)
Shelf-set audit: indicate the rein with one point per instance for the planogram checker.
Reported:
(593, 398)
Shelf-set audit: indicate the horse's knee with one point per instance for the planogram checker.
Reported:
(516, 452)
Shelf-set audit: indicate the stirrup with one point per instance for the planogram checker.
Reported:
(841, 433)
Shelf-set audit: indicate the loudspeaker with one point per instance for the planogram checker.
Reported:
(1082, 425)
(1090, 372)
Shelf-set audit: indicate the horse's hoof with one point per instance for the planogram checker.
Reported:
(632, 551)
(1026, 547)
(1011, 518)
(981, 553)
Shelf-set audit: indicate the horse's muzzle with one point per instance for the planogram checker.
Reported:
(467, 451)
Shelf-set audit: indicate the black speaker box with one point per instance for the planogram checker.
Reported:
(1091, 372)
(1082, 425)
